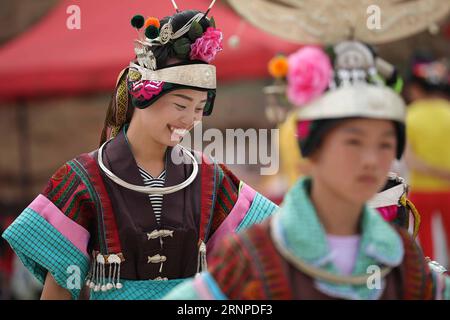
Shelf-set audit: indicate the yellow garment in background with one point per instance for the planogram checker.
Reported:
(289, 149)
(428, 133)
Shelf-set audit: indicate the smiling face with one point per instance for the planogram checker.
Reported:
(354, 158)
(172, 116)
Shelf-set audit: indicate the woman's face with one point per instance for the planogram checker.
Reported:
(355, 157)
(173, 115)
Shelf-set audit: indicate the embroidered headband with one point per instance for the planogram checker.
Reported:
(194, 75)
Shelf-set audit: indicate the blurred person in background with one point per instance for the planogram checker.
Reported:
(428, 148)
(326, 235)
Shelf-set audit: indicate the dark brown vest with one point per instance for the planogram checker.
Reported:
(135, 217)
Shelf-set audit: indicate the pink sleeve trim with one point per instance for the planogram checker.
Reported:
(71, 230)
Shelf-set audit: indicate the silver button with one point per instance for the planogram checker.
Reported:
(156, 259)
(159, 234)
(160, 279)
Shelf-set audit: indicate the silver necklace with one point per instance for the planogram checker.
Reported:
(147, 189)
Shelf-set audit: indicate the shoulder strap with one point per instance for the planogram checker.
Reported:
(209, 183)
(416, 275)
(108, 233)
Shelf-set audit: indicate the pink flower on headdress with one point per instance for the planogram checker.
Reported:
(146, 89)
(207, 46)
(303, 129)
(309, 74)
(388, 213)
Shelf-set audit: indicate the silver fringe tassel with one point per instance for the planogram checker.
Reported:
(97, 279)
(202, 265)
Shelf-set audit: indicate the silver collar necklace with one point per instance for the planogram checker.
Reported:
(146, 189)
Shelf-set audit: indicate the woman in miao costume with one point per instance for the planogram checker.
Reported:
(326, 241)
(134, 218)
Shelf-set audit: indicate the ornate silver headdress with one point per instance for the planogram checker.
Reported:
(142, 47)
(156, 35)
(358, 88)
(184, 41)
(356, 84)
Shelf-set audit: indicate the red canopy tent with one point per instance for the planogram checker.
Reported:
(51, 59)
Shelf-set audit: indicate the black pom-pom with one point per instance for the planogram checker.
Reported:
(182, 48)
(195, 31)
(152, 32)
(137, 21)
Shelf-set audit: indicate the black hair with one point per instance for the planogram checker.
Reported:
(425, 84)
(167, 51)
(429, 87)
(319, 129)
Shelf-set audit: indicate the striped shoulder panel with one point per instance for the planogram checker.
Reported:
(418, 284)
(88, 170)
(209, 175)
(67, 190)
(227, 196)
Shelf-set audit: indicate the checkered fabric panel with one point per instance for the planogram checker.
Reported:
(41, 247)
(260, 209)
